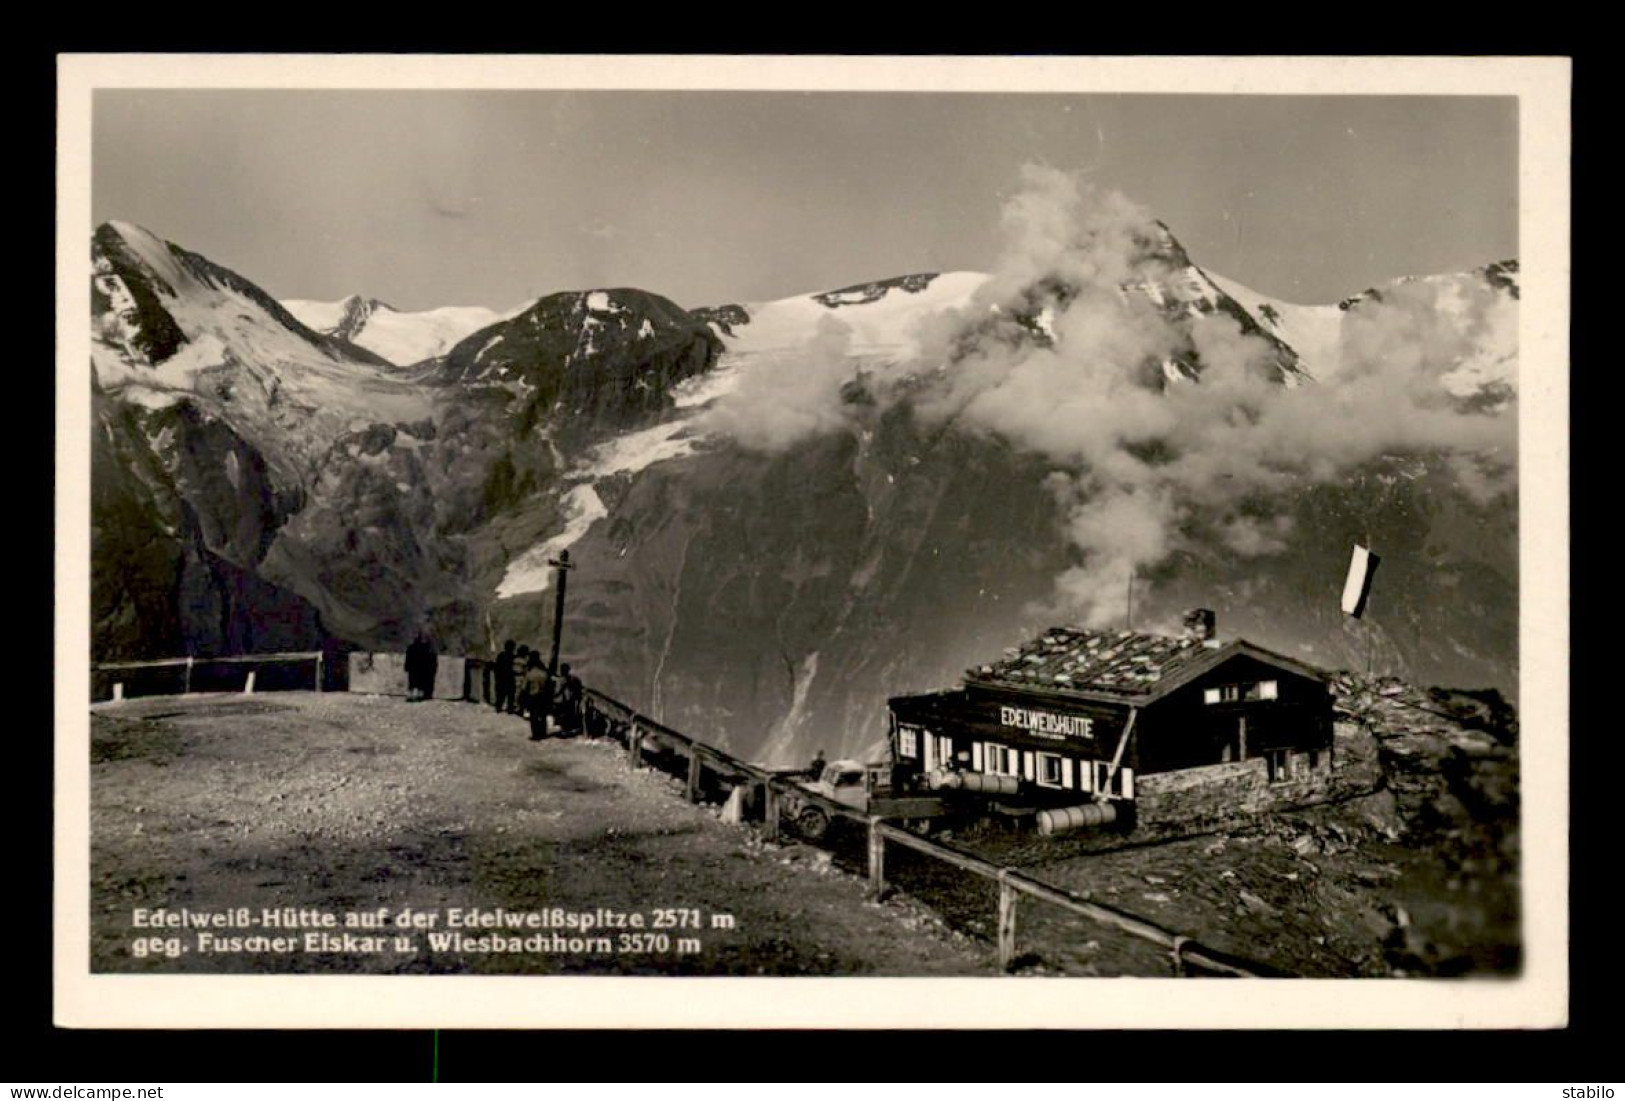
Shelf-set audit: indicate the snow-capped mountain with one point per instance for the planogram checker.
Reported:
(262, 480)
(1318, 333)
(402, 338)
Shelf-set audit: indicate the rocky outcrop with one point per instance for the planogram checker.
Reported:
(588, 361)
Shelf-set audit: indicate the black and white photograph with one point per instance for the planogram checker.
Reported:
(1027, 523)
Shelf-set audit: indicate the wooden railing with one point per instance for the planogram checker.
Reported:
(640, 731)
(191, 663)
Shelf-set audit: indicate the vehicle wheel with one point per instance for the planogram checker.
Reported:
(812, 824)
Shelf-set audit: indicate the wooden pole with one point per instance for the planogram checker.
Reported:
(248, 689)
(1007, 923)
(562, 567)
(1117, 758)
(634, 746)
(187, 689)
(770, 810)
(318, 671)
(877, 860)
(694, 765)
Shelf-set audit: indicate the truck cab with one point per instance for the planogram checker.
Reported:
(851, 783)
(866, 788)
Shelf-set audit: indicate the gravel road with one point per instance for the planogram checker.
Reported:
(342, 808)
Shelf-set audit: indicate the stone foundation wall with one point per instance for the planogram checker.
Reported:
(1196, 800)
(385, 675)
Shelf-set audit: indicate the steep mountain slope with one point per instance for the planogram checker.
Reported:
(400, 337)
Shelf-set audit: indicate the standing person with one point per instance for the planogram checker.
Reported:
(521, 664)
(503, 668)
(421, 665)
(816, 769)
(538, 694)
(568, 708)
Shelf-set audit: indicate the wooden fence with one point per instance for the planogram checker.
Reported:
(640, 733)
(191, 663)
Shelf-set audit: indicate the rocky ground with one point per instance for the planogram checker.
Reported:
(345, 804)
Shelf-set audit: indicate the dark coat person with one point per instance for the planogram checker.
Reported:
(521, 664)
(538, 697)
(421, 665)
(567, 706)
(503, 664)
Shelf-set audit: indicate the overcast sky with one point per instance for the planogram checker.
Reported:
(492, 198)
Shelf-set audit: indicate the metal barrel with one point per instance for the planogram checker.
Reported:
(1062, 819)
(990, 783)
(939, 779)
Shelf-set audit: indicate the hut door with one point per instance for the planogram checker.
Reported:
(1234, 744)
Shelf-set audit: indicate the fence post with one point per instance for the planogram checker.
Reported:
(118, 691)
(1007, 922)
(248, 689)
(186, 690)
(318, 670)
(634, 746)
(1179, 956)
(694, 764)
(770, 810)
(877, 860)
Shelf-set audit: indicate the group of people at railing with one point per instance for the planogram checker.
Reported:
(522, 684)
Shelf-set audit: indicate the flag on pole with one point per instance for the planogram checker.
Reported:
(1357, 588)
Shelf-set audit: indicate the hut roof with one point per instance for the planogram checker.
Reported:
(1119, 665)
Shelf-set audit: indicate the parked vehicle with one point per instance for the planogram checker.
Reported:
(865, 788)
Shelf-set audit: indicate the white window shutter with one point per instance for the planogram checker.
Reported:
(976, 757)
(1066, 772)
(1128, 783)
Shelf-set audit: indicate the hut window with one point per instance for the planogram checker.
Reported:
(908, 742)
(1000, 761)
(1231, 693)
(1049, 770)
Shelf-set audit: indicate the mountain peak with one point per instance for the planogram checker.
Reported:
(150, 298)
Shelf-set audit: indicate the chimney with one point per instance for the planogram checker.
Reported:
(1200, 624)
